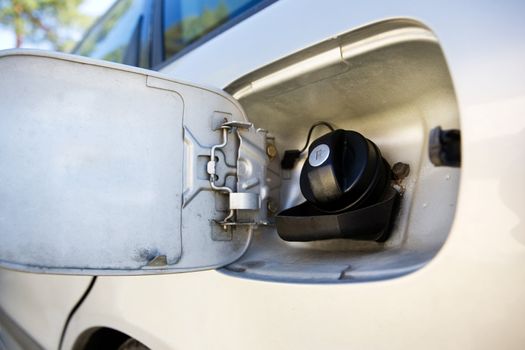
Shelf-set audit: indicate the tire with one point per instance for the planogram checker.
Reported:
(132, 344)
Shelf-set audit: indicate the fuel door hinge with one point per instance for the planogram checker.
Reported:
(248, 197)
(247, 201)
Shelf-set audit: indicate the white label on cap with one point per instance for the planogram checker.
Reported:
(319, 155)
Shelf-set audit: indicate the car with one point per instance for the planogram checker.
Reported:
(194, 136)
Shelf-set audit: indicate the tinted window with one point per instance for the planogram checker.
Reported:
(116, 37)
(185, 21)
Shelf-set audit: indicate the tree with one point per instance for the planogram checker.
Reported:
(54, 21)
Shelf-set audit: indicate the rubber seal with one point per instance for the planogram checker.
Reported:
(306, 223)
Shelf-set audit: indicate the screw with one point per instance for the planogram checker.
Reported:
(271, 151)
(272, 206)
(400, 170)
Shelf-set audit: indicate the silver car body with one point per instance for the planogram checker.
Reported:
(471, 295)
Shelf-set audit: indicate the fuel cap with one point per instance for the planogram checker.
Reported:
(344, 170)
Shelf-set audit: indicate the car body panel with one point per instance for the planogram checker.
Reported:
(40, 303)
(468, 296)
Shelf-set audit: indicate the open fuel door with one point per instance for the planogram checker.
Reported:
(109, 169)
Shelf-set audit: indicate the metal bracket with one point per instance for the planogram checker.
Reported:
(251, 175)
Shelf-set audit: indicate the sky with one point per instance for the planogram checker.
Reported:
(93, 8)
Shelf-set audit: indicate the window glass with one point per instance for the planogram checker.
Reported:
(114, 36)
(185, 21)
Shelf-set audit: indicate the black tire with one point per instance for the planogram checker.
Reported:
(132, 344)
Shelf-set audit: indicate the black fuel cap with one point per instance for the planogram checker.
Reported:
(344, 170)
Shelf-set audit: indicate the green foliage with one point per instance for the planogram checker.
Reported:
(53, 21)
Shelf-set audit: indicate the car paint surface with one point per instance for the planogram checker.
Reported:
(40, 303)
(469, 296)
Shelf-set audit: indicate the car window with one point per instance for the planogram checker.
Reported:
(185, 21)
(116, 36)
